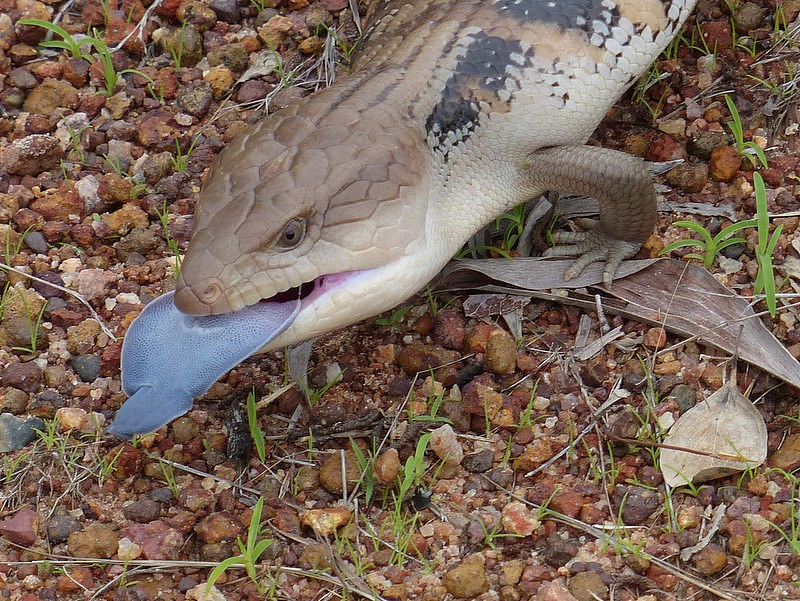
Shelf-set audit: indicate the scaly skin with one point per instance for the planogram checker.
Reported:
(455, 112)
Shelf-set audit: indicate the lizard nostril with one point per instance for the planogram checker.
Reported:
(211, 293)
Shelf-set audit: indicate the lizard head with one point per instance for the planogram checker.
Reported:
(317, 219)
(328, 205)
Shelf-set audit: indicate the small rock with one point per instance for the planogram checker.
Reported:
(16, 433)
(387, 467)
(186, 43)
(689, 177)
(36, 242)
(501, 352)
(512, 572)
(21, 77)
(196, 99)
(557, 552)
(76, 71)
(334, 5)
(519, 519)
(688, 517)
(330, 473)
(14, 401)
(233, 56)
(311, 45)
(534, 455)
(588, 586)
(787, 457)
(21, 527)
(396, 592)
(554, 591)
(12, 97)
(162, 494)
(637, 503)
(221, 80)
(307, 479)
(275, 31)
(226, 10)
(717, 35)
(202, 593)
(445, 444)
(95, 541)
(326, 521)
(703, 142)
(86, 366)
(71, 418)
(713, 376)
(197, 499)
(142, 510)
(725, 163)
(449, 329)
(119, 104)
(31, 582)
(82, 337)
(22, 53)
(684, 396)
(568, 502)
(49, 96)
(418, 357)
(128, 550)
(184, 429)
(31, 155)
(61, 526)
(45, 404)
(74, 579)
(20, 329)
(673, 127)
(595, 372)
(157, 540)
(126, 459)
(115, 189)
(139, 241)
(479, 462)
(317, 15)
(710, 560)
(655, 338)
(747, 16)
(315, 556)
(218, 527)
(95, 284)
(468, 579)
(197, 14)
(125, 219)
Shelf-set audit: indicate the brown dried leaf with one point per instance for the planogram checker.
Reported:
(726, 434)
(484, 305)
(682, 297)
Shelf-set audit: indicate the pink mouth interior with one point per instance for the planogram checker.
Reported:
(308, 292)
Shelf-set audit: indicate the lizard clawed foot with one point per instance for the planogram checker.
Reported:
(590, 246)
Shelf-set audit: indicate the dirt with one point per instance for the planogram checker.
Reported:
(552, 499)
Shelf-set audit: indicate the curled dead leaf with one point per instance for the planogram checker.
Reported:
(721, 435)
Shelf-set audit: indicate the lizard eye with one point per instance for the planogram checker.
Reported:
(293, 234)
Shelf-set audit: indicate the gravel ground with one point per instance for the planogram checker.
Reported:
(440, 457)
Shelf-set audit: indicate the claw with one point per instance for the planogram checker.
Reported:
(591, 246)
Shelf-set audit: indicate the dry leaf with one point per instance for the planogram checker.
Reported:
(682, 297)
(723, 435)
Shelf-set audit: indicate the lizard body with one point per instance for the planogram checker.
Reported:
(455, 111)
(441, 127)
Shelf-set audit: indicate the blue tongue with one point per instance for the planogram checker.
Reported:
(170, 358)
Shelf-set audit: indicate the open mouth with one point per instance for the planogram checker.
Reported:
(302, 292)
(307, 292)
